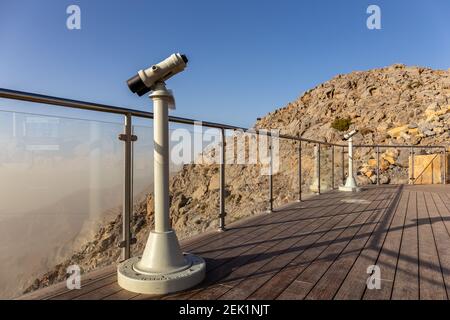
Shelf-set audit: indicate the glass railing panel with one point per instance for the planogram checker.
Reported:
(247, 174)
(393, 165)
(194, 188)
(325, 168)
(285, 179)
(193, 182)
(309, 181)
(363, 170)
(61, 185)
(343, 165)
(398, 171)
(142, 220)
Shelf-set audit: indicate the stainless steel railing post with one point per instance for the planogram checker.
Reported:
(444, 166)
(318, 168)
(270, 176)
(299, 171)
(411, 179)
(378, 165)
(128, 138)
(343, 164)
(432, 170)
(222, 212)
(332, 167)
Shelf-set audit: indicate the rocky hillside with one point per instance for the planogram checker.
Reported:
(392, 105)
(376, 101)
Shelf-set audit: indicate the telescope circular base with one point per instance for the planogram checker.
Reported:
(161, 283)
(349, 189)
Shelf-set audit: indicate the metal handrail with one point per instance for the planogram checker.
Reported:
(128, 138)
(78, 104)
(84, 105)
(398, 146)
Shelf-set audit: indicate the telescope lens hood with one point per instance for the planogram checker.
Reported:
(137, 86)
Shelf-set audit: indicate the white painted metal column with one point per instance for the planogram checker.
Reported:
(161, 160)
(350, 183)
(163, 268)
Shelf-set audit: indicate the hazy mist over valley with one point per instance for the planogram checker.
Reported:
(59, 180)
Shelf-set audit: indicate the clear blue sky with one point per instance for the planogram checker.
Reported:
(246, 57)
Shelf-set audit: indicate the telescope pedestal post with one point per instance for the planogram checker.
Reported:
(163, 268)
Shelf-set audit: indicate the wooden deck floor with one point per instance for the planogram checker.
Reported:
(317, 249)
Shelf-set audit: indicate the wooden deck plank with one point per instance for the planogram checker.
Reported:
(85, 289)
(443, 209)
(317, 249)
(255, 222)
(249, 260)
(252, 221)
(247, 282)
(406, 282)
(282, 255)
(120, 295)
(276, 284)
(443, 199)
(61, 288)
(306, 280)
(215, 275)
(354, 284)
(387, 260)
(252, 284)
(217, 265)
(330, 282)
(241, 273)
(260, 280)
(243, 236)
(441, 239)
(211, 263)
(249, 263)
(430, 275)
(230, 253)
(100, 292)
